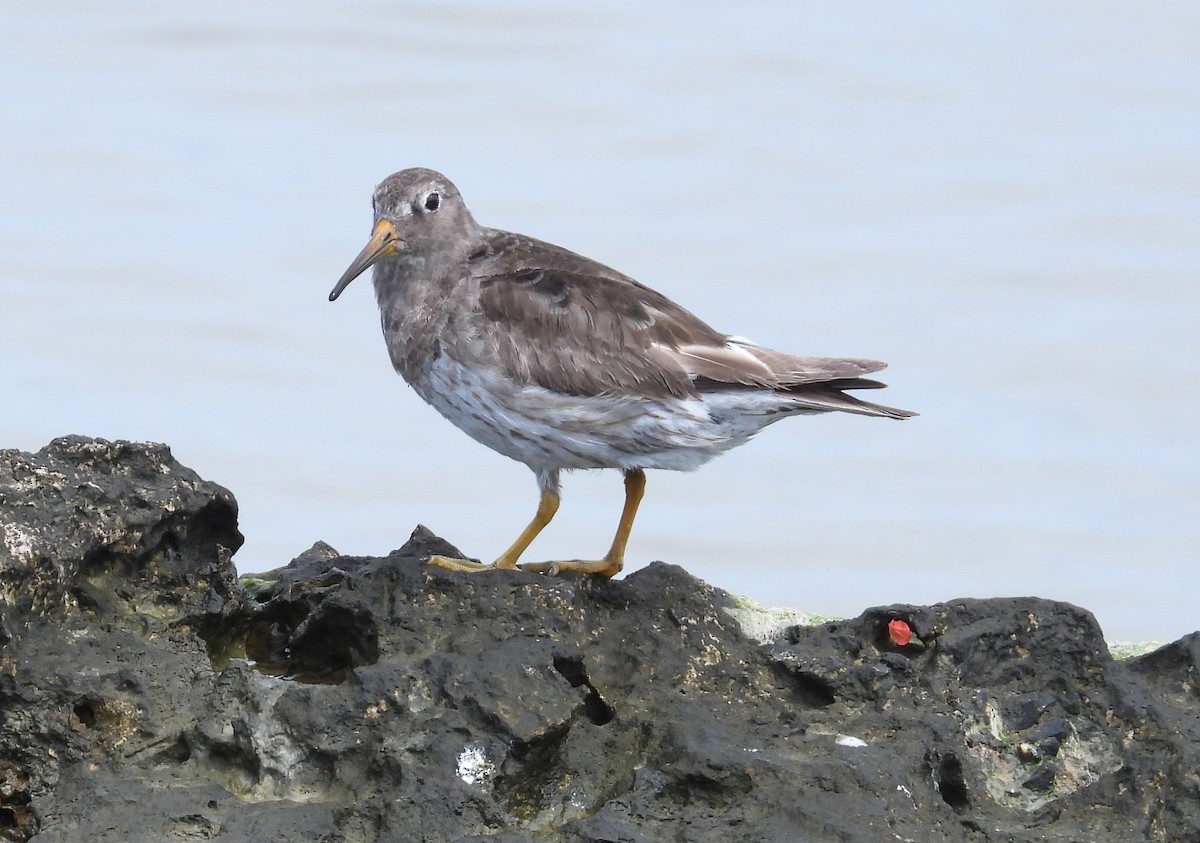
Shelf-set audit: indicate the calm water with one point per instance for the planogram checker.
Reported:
(1003, 202)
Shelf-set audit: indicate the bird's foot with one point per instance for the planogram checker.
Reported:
(469, 566)
(607, 568)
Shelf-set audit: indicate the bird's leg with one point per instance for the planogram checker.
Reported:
(614, 560)
(547, 506)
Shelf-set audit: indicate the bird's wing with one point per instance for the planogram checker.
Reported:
(570, 324)
(577, 327)
(737, 361)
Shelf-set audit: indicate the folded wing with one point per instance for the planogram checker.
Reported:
(575, 326)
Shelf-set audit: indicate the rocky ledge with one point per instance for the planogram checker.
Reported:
(147, 694)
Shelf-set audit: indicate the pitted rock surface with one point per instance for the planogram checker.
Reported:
(145, 694)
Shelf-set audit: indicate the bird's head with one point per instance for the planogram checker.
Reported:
(417, 212)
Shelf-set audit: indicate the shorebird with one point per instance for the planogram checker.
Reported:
(560, 362)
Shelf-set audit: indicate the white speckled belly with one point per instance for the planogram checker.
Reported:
(549, 431)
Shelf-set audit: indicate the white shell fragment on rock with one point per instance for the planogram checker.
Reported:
(474, 766)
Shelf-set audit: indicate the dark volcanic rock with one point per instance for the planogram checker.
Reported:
(144, 695)
(114, 580)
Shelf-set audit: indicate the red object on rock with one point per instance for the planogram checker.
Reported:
(900, 632)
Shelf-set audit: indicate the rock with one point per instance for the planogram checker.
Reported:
(145, 695)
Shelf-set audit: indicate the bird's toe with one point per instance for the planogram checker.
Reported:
(606, 568)
(451, 563)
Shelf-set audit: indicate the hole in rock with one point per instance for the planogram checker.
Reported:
(318, 644)
(814, 690)
(571, 669)
(950, 782)
(17, 824)
(809, 689)
(595, 708)
(85, 713)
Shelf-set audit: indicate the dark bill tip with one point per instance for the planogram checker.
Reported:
(342, 284)
(356, 269)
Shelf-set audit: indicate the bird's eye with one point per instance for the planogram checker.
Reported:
(432, 202)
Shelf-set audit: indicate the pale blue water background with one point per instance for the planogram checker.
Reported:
(1002, 201)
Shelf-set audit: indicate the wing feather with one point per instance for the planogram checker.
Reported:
(575, 326)
(572, 325)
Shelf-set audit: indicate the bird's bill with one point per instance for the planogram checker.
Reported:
(384, 241)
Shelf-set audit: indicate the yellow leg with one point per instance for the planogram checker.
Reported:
(614, 560)
(547, 506)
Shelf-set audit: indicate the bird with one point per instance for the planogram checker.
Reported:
(560, 362)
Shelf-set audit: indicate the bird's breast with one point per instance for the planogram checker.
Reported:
(414, 339)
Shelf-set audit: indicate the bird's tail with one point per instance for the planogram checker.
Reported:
(829, 396)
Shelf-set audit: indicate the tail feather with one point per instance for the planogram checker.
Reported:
(829, 396)
(812, 384)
